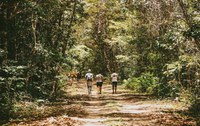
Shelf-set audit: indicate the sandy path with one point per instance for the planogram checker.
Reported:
(124, 108)
(107, 109)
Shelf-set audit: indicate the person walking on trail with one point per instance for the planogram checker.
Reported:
(114, 79)
(89, 78)
(99, 82)
(78, 76)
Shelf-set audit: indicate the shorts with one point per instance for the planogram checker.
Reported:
(114, 83)
(89, 83)
(99, 84)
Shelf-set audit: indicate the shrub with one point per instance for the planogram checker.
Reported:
(11, 87)
(146, 83)
(132, 84)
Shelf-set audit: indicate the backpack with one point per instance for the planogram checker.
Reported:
(89, 76)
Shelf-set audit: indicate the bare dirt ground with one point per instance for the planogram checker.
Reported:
(107, 109)
(126, 108)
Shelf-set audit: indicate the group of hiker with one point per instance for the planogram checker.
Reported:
(99, 81)
(89, 76)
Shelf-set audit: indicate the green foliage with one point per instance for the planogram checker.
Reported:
(132, 84)
(195, 109)
(146, 83)
(106, 30)
(35, 38)
(12, 86)
(6, 102)
(80, 57)
(187, 97)
(167, 90)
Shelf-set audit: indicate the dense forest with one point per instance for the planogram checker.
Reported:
(154, 45)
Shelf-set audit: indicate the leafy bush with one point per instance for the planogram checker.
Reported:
(186, 96)
(11, 87)
(5, 102)
(190, 99)
(195, 109)
(146, 83)
(166, 90)
(132, 83)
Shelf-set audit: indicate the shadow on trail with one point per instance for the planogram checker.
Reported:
(124, 97)
(121, 109)
(118, 96)
(125, 115)
(80, 97)
(88, 103)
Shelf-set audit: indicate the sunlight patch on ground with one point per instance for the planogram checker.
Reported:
(121, 109)
(144, 108)
(134, 109)
(91, 121)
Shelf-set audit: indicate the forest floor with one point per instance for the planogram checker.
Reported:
(121, 109)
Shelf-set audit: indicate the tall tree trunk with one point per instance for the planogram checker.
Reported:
(69, 27)
(34, 25)
(188, 20)
(107, 60)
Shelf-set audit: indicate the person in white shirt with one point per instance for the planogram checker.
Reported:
(114, 79)
(89, 78)
(99, 82)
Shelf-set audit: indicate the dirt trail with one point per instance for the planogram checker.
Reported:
(125, 108)
(107, 109)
